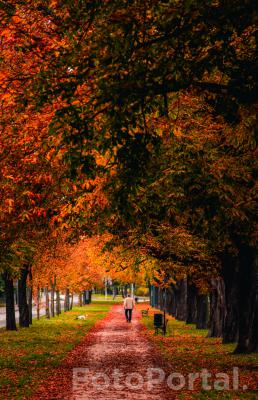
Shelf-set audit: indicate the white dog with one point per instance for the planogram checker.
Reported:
(81, 316)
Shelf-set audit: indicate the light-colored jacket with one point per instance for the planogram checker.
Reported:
(128, 303)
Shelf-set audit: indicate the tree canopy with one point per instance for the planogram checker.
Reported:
(135, 120)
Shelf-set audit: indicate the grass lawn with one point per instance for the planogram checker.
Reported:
(188, 350)
(99, 296)
(30, 354)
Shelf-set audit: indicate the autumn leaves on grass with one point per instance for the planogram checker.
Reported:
(29, 357)
(188, 351)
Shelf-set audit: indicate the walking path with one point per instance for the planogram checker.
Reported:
(114, 361)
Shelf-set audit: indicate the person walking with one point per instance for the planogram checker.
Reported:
(128, 307)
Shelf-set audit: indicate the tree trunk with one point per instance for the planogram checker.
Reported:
(191, 314)
(202, 311)
(10, 306)
(230, 272)
(52, 297)
(24, 320)
(52, 302)
(66, 302)
(71, 305)
(156, 296)
(161, 299)
(217, 308)
(58, 303)
(38, 303)
(29, 297)
(47, 304)
(165, 297)
(253, 346)
(170, 300)
(86, 297)
(80, 299)
(181, 294)
(247, 301)
(16, 293)
(173, 304)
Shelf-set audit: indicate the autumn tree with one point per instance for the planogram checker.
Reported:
(148, 51)
(165, 92)
(35, 178)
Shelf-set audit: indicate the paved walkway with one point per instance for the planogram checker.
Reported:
(115, 361)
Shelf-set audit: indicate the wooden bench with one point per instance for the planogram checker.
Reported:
(145, 313)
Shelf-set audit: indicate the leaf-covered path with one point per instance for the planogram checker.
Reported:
(121, 352)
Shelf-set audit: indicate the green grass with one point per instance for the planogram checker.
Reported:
(188, 350)
(28, 355)
(99, 296)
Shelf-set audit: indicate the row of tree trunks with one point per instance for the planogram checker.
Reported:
(25, 300)
(53, 302)
(231, 308)
(183, 302)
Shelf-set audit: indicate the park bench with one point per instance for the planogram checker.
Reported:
(145, 313)
(160, 323)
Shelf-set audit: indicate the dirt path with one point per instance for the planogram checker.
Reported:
(114, 361)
